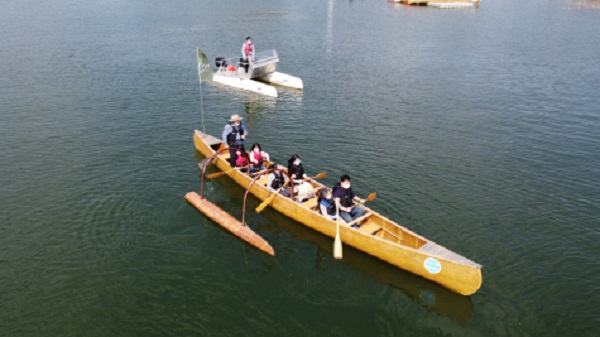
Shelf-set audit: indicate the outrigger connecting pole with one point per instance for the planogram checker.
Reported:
(223, 218)
(252, 183)
(208, 163)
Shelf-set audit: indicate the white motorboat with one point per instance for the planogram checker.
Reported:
(248, 76)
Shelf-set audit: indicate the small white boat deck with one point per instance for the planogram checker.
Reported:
(234, 72)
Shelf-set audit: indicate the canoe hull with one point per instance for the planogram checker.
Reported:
(394, 244)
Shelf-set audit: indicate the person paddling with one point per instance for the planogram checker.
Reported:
(296, 171)
(277, 179)
(344, 199)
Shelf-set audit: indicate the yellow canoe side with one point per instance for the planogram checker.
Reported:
(392, 243)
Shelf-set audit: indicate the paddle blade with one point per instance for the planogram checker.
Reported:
(321, 175)
(371, 197)
(337, 245)
(265, 203)
(218, 174)
(215, 175)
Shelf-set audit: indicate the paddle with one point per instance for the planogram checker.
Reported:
(370, 198)
(218, 174)
(272, 196)
(337, 244)
(318, 176)
(268, 200)
(257, 173)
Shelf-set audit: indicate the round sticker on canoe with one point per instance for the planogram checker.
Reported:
(432, 265)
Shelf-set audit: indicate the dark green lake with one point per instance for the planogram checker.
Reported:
(477, 128)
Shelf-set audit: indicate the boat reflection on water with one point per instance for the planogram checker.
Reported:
(256, 106)
(423, 292)
(259, 107)
(290, 95)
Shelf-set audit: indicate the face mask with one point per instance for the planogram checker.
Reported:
(346, 186)
(297, 162)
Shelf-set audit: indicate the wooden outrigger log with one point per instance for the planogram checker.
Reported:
(376, 235)
(226, 220)
(229, 222)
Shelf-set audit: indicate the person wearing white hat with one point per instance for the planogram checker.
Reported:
(233, 136)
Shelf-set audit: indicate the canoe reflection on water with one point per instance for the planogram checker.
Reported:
(423, 292)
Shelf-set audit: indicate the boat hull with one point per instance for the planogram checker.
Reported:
(284, 80)
(264, 65)
(234, 74)
(245, 84)
(393, 243)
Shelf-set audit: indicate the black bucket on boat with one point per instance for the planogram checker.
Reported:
(221, 62)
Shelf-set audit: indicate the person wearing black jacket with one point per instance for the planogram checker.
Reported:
(345, 198)
(277, 179)
(296, 171)
(234, 134)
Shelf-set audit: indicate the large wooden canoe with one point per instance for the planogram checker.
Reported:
(377, 235)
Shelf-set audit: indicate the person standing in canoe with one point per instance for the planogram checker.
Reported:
(248, 55)
(233, 136)
(344, 199)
